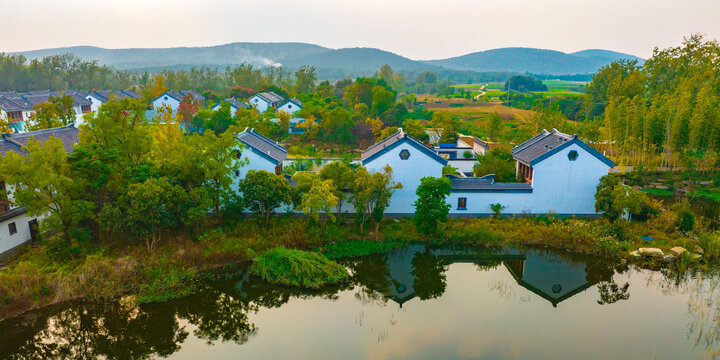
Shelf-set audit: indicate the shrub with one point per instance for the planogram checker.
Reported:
(297, 268)
(685, 217)
(359, 248)
(497, 210)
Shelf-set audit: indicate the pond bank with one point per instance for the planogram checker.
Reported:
(48, 274)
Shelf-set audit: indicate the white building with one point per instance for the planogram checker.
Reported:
(291, 106)
(20, 107)
(264, 100)
(16, 226)
(461, 154)
(235, 105)
(561, 172)
(258, 153)
(173, 99)
(97, 98)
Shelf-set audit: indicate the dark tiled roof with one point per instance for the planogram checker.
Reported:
(16, 142)
(295, 101)
(391, 141)
(270, 97)
(233, 102)
(487, 184)
(547, 143)
(262, 145)
(7, 104)
(540, 145)
(104, 95)
(192, 93)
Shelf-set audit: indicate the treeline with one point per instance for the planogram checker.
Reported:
(669, 107)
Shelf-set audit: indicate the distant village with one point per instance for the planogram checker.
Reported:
(560, 171)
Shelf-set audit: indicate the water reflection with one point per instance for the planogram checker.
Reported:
(228, 311)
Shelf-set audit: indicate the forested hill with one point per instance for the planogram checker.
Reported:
(536, 61)
(340, 62)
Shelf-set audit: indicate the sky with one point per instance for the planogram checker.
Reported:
(418, 29)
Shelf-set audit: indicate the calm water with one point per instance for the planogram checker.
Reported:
(416, 302)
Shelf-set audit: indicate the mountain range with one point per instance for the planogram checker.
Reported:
(356, 61)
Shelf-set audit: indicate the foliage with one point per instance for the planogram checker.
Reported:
(431, 207)
(264, 192)
(344, 249)
(342, 177)
(498, 161)
(524, 83)
(320, 199)
(57, 111)
(685, 216)
(497, 210)
(613, 198)
(371, 194)
(297, 268)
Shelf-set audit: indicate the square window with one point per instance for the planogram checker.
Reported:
(13, 228)
(462, 203)
(572, 155)
(237, 173)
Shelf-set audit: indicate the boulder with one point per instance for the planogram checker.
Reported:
(695, 256)
(669, 258)
(677, 251)
(653, 252)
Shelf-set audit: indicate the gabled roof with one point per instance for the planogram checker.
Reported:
(546, 144)
(294, 101)
(104, 95)
(270, 97)
(262, 146)
(468, 139)
(180, 95)
(393, 141)
(10, 101)
(16, 142)
(233, 103)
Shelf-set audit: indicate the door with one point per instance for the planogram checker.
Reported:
(34, 230)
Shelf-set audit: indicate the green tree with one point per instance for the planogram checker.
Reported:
(305, 78)
(613, 198)
(371, 194)
(342, 177)
(264, 192)
(431, 207)
(43, 182)
(494, 125)
(320, 199)
(498, 161)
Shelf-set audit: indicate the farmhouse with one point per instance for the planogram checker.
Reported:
(97, 98)
(16, 226)
(257, 153)
(561, 174)
(264, 100)
(173, 99)
(235, 105)
(291, 106)
(20, 107)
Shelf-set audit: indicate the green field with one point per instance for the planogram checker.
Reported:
(555, 88)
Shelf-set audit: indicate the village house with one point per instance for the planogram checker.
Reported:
(265, 100)
(97, 98)
(235, 105)
(561, 175)
(258, 153)
(290, 106)
(461, 154)
(173, 99)
(16, 227)
(20, 107)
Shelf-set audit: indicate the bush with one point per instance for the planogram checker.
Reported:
(685, 216)
(359, 248)
(297, 268)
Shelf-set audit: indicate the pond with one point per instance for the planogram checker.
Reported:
(415, 302)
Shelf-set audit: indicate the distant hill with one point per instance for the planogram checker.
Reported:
(260, 54)
(536, 61)
(361, 60)
(338, 63)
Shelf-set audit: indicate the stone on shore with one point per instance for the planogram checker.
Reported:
(653, 252)
(678, 251)
(669, 258)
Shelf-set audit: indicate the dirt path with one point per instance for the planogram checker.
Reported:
(482, 92)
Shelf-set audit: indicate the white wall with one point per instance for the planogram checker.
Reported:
(253, 162)
(165, 99)
(289, 108)
(94, 103)
(7, 241)
(408, 172)
(260, 104)
(478, 203)
(463, 165)
(567, 187)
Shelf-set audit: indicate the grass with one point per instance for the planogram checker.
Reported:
(658, 192)
(359, 248)
(299, 268)
(712, 194)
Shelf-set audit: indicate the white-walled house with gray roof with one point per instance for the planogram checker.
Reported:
(265, 100)
(290, 106)
(562, 176)
(257, 153)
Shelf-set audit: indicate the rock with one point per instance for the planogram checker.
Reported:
(669, 258)
(694, 256)
(634, 253)
(396, 220)
(653, 252)
(678, 251)
(706, 183)
(698, 250)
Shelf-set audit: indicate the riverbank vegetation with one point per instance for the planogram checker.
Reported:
(297, 268)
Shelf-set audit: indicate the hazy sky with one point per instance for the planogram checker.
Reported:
(419, 29)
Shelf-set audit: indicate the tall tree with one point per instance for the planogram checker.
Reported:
(431, 207)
